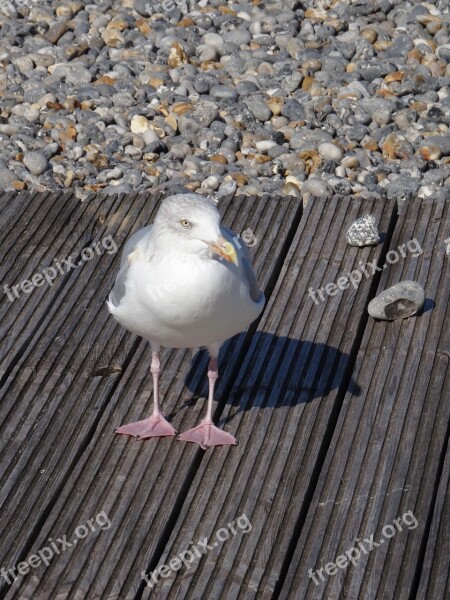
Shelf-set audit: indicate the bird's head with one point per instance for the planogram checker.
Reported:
(192, 222)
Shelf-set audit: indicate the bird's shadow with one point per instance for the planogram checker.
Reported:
(270, 371)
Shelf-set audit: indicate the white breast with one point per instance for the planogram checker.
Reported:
(195, 302)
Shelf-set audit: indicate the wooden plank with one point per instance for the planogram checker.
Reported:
(435, 575)
(90, 471)
(385, 456)
(280, 409)
(5, 199)
(12, 206)
(50, 229)
(43, 421)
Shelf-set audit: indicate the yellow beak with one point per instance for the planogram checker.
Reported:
(224, 249)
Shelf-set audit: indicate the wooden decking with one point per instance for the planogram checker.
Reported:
(342, 421)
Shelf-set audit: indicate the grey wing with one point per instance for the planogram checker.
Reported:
(118, 291)
(244, 262)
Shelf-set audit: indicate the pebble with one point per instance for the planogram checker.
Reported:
(363, 232)
(400, 301)
(238, 36)
(227, 188)
(354, 99)
(139, 124)
(265, 145)
(35, 162)
(110, 174)
(258, 107)
(8, 129)
(150, 136)
(292, 110)
(211, 183)
(350, 162)
(246, 87)
(212, 39)
(316, 187)
(404, 187)
(223, 91)
(72, 73)
(442, 142)
(30, 113)
(204, 114)
(7, 179)
(330, 151)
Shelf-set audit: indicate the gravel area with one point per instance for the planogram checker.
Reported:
(281, 97)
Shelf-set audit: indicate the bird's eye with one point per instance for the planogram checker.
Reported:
(185, 223)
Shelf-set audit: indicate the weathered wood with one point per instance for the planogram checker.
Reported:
(69, 431)
(342, 421)
(47, 406)
(12, 207)
(280, 409)
(387, 449)
(50, 228)
(435, 575)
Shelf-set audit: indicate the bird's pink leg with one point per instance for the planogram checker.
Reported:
(207, 434)
(156, 425)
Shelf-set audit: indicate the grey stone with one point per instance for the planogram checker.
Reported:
(293, 110)
(258, 107)
(110, 174)
(330, 151)
(363, 232)
(8, 129)
(244, 87)
(144, 7)
(213, 39)
(56, 31)
(400, 301)
(7, 179)
(441, 141)
(238, 36)
(30, 113)
(208, 53)
(35, 162)
(340, 185)
(202, 84)
(380, 109)
(309, 139)
(204, 114)
(444, 52)
(122, 188)
(404, 187)
(375, 70)
(233, 64)
(316, 187)
(74, 73)
(223, 91)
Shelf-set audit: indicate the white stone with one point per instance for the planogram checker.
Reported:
(150, 136)
(265, 145)
(212, 39)
(139, 124)
(211, 183)
(330, 151)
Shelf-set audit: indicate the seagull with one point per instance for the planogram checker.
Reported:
(185, 282)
